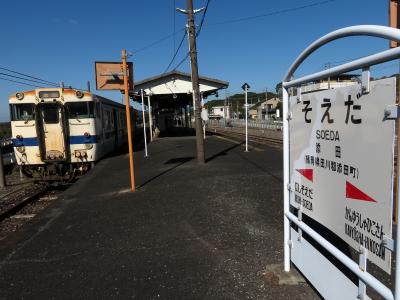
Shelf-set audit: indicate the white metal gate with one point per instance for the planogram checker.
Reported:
(309, 173)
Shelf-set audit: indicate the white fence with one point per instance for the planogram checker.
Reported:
(261, 124)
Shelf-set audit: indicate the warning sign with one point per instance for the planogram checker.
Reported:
(341, 163)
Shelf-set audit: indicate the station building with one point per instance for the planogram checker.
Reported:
(170, 96)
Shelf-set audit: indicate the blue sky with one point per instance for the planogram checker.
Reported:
(60, 40)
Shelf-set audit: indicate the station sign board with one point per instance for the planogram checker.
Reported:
(341, 163)
(109, 75)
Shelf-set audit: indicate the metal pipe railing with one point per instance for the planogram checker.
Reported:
(344, 259)
(359, 30)
(287, 82)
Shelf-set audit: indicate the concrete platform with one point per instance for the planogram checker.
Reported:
(189, 232)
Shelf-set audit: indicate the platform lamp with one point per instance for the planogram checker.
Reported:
(245, 87)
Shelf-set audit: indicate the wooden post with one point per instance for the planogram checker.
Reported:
(393, 18)
(128, 119)
(394, 22)
(195, 83)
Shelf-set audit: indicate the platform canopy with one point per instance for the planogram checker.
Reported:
(174, 89)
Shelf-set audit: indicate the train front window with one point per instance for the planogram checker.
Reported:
(50, 114)
(22, 112)
(80, 110)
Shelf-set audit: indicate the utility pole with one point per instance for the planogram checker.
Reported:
(266, 94)
(195, 79)
(128, 119)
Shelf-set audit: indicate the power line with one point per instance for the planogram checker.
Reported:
(278, 12)
(176, 51)
(15, 81)
(202, 19)
(197, 34)
(174, 3)
(157, 41)
(26, 79)
(181, 62)
(29, 76)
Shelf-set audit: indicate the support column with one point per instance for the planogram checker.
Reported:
(2, 176)
(150, 118)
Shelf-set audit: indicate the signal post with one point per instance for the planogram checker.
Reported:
(119, 76)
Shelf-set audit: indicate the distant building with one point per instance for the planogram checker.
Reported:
(267, 109)
(331, 83)
(218, 112)
(253, 112)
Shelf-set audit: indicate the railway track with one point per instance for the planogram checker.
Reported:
(15, 200)
(252, 138)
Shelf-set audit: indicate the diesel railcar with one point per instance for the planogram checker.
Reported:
(59, 133)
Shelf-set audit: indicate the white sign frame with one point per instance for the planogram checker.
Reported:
(346, 189)
(359, 269)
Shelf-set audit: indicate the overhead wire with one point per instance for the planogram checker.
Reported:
(157, 41)
(197, 34)
(19, 82)
(278, 12)
(238, 20)
(28, 76)
(176, 52)
(174, 13)
(250, 18)
(18, 77)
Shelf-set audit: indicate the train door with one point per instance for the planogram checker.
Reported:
(52, 133)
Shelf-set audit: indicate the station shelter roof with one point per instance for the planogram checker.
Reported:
(174, 89)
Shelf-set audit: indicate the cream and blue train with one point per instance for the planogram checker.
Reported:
(58, 133)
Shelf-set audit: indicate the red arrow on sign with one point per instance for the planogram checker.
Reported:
(307, 173)
(356, 194)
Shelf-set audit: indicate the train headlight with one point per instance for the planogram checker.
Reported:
(19, 96)
(79, 94)
(21, 149)
(19, 137)
(77, 154)
(88, 146)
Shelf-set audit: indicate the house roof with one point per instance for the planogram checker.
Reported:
(174, 89)
(181, 75)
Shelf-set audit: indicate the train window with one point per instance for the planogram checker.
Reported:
(51, 114)
(80, 110)
(98, 112)
(49, 94)
(108, 119)
(22, 112)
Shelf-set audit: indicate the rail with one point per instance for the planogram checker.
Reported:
(259, 139)
(17, 199)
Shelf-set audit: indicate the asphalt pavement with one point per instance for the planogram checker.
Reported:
(190, 231)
